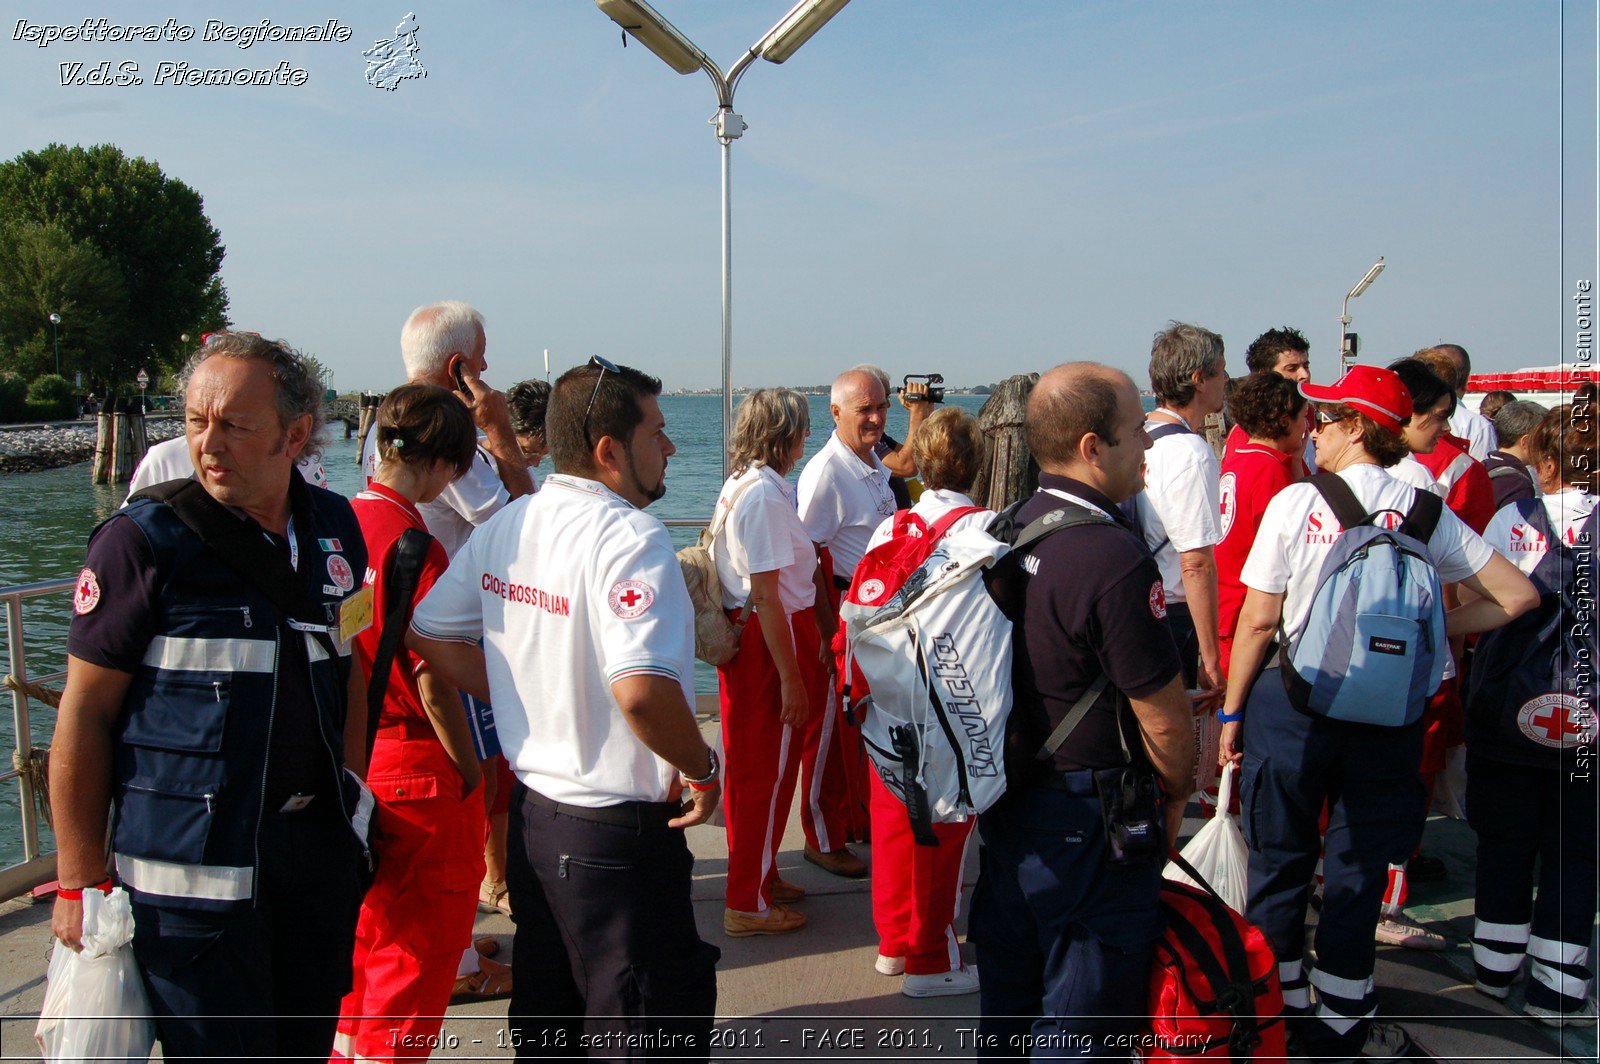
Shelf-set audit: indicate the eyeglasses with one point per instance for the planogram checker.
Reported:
(606, 365)
(1324, 419)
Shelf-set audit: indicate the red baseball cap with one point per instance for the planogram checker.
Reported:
(1375, 392)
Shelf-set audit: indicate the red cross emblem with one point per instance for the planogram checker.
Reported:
(1556, 721)
(629, 598)
(1230, 492)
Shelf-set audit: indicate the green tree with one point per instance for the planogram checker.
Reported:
(44, 271)
(150, 228)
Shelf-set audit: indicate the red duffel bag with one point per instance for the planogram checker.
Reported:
(1214, 992)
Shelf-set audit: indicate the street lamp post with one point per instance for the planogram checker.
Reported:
(646, 26)
(1347, 339)
(55, 338)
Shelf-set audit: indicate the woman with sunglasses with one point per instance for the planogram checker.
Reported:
(1295, 762)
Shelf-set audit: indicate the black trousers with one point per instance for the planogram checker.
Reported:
(286, 959)
(609, 963)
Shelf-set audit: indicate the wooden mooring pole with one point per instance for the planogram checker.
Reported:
(120, 443)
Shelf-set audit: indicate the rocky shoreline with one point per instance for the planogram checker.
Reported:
(33, 450)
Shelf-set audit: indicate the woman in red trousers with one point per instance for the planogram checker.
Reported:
(916, 890)
(428, 828)
(779, 677)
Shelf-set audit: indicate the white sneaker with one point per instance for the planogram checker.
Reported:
(1583, 1017)
(1386, 1041)
(890, 965)
(1399, 931)
(941, 984)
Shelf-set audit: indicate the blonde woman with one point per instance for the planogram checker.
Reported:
(778, 680)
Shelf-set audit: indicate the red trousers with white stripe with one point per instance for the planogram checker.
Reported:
(761, 755)
(916, 890)
(428, 842)
(833, 805)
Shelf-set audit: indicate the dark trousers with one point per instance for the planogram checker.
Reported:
(608, 960)
(286, 959)
(1295, 762)
(1181, 621)
(1525, 816)
(1064, 940)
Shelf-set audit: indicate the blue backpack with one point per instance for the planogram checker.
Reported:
(1531, 700)
(1374, 646)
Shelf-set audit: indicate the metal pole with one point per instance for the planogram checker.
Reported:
(727, 302)
(19, 720)
(55, 336)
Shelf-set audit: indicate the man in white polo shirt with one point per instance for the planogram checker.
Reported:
(1179, 512)
(844, 496)
(587, 656)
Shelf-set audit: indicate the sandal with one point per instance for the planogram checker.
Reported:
(491, 980)
(494, 898)
(486, 946)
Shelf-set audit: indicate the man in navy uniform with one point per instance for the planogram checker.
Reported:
(213, 724)
(1065, 936)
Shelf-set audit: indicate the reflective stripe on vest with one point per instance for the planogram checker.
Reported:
(187, 654)
(171, 880)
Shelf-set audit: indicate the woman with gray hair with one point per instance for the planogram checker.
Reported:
(777, 680)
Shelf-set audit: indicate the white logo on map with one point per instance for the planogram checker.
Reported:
(395, 60)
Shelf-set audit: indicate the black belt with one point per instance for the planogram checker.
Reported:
(638, 815)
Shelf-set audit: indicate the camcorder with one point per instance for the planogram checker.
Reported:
(935, 389)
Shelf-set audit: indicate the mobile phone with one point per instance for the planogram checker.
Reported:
(461, 379)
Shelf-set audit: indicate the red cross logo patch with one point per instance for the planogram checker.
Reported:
(1556, 720)
(630, 598)
(86, 596)
(1230, 504)
(1158, 601)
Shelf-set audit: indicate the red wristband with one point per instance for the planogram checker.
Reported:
(76, 893)
(710, 785)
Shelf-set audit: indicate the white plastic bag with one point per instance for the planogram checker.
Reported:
(95, 1006)
(1218, 852)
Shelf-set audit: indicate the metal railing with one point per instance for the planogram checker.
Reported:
(34, 868)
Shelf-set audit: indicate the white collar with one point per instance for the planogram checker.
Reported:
(946, 497)
(861, 469)
(585, 486)
(1168, 410)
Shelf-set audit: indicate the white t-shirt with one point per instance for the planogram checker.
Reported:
(169, 460)
(842, 499)
(1299, 528)
(1182, 502)
(763, 534)
(934, 504)
(464, 504)
(1410, 471)
(1513, 537)
(572, 590)
(1476, 429)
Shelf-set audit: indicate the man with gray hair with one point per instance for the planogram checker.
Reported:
(1509, 463)
(211, 708)
(444, 344)
(1466, 424)
(1180, 512)
(844, 496)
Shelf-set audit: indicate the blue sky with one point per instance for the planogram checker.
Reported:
(978, 187)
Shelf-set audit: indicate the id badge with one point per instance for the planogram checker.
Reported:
(355, 614)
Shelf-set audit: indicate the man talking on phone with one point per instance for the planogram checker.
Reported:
(444, 344)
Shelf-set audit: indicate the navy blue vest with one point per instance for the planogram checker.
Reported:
(191, 745)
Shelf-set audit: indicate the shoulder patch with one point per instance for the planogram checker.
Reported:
(340, 573)
(86, 596)
(1158, 601)
(1230, 501)
(630, 598)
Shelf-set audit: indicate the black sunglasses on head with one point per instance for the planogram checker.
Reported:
(606, 366)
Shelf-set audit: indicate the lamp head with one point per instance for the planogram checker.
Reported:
(647, 27)
(55, 319)
(1366, 282)
(796, 28)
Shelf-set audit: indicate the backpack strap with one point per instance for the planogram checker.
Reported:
(1171, 428)
(405, 570)
(1347, 509)
(1074, 717)
(943, 525)
(1423, 517)
(1068, 515)
(239, 545)
(1496, 472)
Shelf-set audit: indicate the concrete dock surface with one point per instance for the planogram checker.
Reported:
(815, 995)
